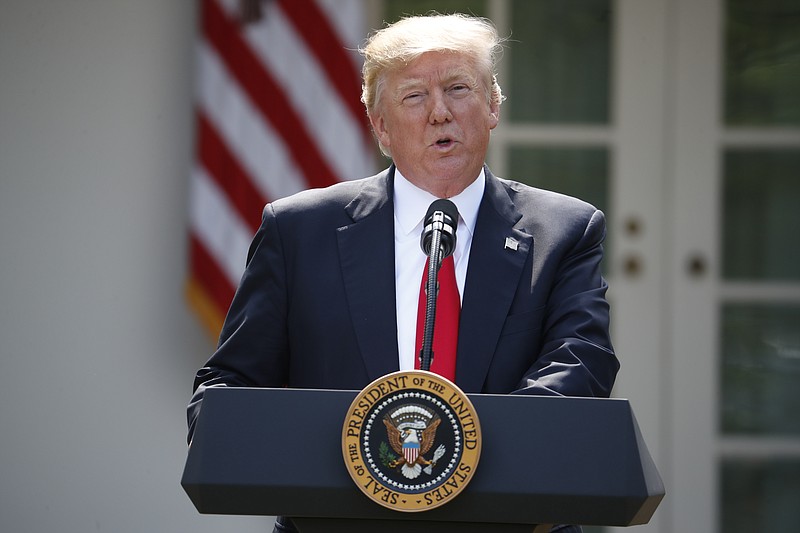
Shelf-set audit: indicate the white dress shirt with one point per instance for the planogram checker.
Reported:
(410, 206)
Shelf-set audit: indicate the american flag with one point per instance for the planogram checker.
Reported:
(277, 111)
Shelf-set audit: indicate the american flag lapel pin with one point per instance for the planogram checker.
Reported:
(511, 244)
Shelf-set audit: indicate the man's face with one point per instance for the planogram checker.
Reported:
(434, 115)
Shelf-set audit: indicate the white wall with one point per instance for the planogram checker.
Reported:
(97, 348)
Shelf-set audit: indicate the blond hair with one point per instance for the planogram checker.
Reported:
(396, 45)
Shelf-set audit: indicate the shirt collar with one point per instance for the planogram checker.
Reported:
(411, 203)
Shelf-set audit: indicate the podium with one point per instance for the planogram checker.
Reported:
(544, 460)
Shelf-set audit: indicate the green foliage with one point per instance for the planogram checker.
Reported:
(385, 454)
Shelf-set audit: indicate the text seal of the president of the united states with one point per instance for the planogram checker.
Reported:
(411, 440)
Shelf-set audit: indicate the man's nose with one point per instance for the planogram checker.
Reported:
(440, 112)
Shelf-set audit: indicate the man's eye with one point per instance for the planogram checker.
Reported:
(459, 88)
(412, 98)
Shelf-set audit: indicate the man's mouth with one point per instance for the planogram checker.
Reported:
(445, 141)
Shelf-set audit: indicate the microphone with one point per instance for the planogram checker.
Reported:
(442, 221)
(438, 241)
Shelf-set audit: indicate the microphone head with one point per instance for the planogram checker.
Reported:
(442, 215)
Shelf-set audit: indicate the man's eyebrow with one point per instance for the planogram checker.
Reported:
(411, 83)
(459, 74)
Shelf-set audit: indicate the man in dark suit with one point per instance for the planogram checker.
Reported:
(329, 296)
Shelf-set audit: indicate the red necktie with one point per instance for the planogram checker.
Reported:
(445, 332)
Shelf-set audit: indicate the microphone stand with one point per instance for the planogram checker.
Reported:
(431, 290)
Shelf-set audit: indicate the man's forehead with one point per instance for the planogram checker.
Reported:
(443, 68)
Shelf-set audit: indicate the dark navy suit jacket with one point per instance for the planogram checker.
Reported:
(316, 305)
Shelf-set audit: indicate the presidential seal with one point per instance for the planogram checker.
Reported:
(411, 441)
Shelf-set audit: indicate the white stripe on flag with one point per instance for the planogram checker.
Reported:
(218, 226)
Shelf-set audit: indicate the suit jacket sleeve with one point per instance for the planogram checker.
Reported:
(253, 344)
(576, 357)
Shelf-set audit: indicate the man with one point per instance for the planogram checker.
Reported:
(329, 297)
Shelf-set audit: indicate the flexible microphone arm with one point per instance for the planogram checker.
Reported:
(438, 241)
(431, 294)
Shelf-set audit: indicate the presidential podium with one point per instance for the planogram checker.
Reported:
(544, 460)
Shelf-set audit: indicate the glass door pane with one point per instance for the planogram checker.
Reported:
(761, 190)
(759, 495)
(579, 172)
(762, 63)
(760, 370)
(561, 61)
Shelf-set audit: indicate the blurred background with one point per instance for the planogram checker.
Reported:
(139, 141)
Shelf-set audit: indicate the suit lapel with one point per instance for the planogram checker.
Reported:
(492, 280)
(366, 250)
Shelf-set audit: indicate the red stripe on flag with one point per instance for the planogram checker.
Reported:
(223, 34)
(209, 275)
(319, 35)
(228, 174)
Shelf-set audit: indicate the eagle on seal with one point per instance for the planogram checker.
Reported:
(412, 432)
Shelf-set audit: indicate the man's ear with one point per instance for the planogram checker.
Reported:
(494, 115)
(379, 128)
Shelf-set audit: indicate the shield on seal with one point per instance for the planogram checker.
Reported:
(411, 452)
